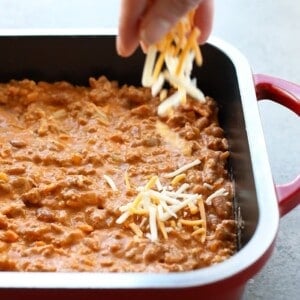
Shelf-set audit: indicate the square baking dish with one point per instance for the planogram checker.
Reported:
(225, 76)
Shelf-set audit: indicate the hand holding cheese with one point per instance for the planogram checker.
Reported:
(149, 20)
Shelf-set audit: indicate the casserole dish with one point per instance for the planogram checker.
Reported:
(226, 76)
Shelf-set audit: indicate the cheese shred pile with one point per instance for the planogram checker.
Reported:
(171, 60)
(158, 210)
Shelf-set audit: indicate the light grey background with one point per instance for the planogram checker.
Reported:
(268, 33)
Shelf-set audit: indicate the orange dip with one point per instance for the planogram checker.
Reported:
(60, 145)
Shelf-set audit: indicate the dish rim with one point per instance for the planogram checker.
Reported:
(268, 219)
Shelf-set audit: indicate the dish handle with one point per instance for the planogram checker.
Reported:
(287, 94)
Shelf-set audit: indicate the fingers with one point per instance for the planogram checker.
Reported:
(162, 16)
(204, 19)
(147, 21)
(129, 24)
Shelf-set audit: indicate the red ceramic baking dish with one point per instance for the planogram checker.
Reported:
(259, 203)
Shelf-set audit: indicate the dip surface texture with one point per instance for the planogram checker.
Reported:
(71, 157)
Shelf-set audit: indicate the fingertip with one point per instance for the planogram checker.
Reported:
(143, 47)
(119, 47)
(126, 49)
(204, 19)
(128, 36)
(203, 37)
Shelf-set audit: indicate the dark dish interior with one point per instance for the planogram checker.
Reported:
(76, 58)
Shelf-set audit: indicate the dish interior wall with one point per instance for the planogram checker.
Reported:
(76, 58)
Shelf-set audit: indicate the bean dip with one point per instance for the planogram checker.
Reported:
(90, 180)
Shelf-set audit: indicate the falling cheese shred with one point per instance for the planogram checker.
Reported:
(176, 52)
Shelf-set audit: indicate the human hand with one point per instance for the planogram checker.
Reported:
(147, 21)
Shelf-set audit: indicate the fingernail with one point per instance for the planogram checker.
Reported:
(154, 31)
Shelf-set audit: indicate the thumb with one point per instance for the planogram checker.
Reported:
(161, 16)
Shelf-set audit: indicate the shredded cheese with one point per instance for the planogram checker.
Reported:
(193, 208)
(199, 231)
(127, 182)
(162, 228)
(123, 217)
(191, 222)
(151, 183)
(217, 193)
(166, 107)
(158, 206)
(176, 52)
(186, 85)
(147, 79)
(203, 217)
(158, 209)
(157, 86)
(187, 47)
(163, 94)
(183, 188)
(158, 185)
(208, 186)
(178, 178)
(136, 229)
(110, 182)
(152, 223)
(183, 168)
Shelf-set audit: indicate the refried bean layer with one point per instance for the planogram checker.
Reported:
(61, 144)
